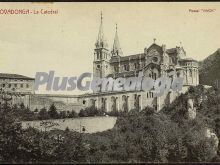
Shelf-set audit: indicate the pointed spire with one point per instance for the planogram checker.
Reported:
(116, 50)
(101, 41)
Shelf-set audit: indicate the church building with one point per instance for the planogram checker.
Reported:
(155, 61)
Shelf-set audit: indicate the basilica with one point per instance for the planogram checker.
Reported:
(155, 61)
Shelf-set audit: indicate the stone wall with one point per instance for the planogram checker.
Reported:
(120, 101)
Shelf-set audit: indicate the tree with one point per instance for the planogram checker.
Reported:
(82, 113)
(62, 114)
(72, 114)
(43, 114)
(52, 112)
(10, 135)
(36, 110)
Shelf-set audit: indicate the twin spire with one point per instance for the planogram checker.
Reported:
(116, 50)
(102, 43)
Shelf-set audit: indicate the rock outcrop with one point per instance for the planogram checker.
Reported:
(191, 110)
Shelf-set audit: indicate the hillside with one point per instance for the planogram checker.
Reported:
(209, 69)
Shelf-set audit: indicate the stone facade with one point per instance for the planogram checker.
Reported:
(17, 87)
(16, 83)
(155, 61)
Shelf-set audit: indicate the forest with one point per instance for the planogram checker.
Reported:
(138, 135)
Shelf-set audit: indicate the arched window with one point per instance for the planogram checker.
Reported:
(155, 76)
(190, 73)
(155, 59)
(178, 74)
(135, 66)
(97, 55)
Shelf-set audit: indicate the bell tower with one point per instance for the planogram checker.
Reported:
(101, 65)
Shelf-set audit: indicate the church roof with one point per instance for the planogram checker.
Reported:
(155, 46)
(122, 74)
(174, 51)
(126, 58)
(14, 76)
(188, 59)
(171, 51)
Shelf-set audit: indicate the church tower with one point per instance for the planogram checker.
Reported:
(101, 66)
(116, 50)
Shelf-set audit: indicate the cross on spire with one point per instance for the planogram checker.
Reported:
(154, 40)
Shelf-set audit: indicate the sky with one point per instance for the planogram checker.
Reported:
(64, 42)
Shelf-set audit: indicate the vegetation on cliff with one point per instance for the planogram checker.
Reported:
(209, 70)
(145, 136)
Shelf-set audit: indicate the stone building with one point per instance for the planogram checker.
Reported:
(155, 61)
(16, 86)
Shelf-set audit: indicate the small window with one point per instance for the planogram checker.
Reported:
(151, 95)
(126, 67)
(3, 85)
(155, 76)
(137, 65)
(22, 86)
(9, 85)
(27, 85)
(98, 66)
(98, 55)
(84, 101)
(155, 59)
(178, 74)
(15, 85)
(135, 96)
